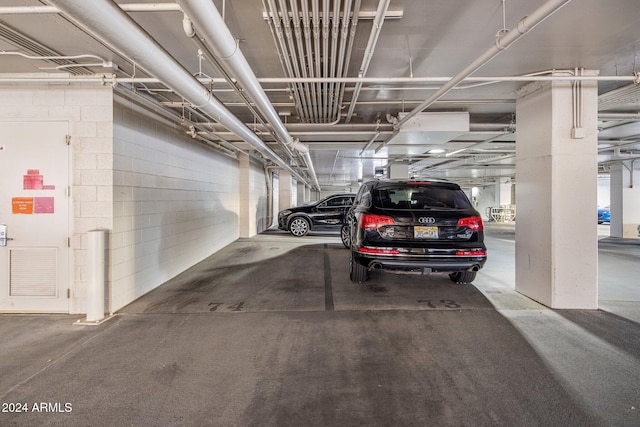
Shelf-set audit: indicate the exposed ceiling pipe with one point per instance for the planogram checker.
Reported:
(337, 91)
(385, 80)
(302, 56)
(276, 30)
(325, 54)
(306, 24)
(333, 66)
(211, 27)
(345, 70)
(107, 21)
(525, 25)
(223, 69)
(315, 10)
(383, 5)
(131, 7)
(292, 52)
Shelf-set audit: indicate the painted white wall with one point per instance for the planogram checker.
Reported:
(174, 203)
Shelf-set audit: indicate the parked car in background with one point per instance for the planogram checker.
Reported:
(420, 226)
(604, 215)
(326, 214)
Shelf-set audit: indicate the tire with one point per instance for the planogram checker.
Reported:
(463, 277)
(357, 273)
(299, 226)
(345, 236)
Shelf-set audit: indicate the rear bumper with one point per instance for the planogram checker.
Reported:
(435, 264)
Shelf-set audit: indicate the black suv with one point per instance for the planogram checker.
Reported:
(327, 214)
(420, 226)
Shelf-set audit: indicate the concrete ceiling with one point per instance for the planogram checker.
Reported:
(421, 45)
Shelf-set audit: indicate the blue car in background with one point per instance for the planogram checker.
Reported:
(604, 215)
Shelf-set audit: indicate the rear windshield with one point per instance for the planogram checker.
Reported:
(419, 197)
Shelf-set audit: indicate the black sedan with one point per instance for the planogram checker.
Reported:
(327, 214)
(414, 226)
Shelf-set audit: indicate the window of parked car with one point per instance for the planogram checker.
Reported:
(420, 197)
(339, 201)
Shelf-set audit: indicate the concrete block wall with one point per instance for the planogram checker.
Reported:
(88, 112)
(174, 203)
(166, 201)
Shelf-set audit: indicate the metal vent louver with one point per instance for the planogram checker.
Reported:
(624, 96)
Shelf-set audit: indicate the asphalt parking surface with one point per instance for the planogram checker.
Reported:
(271, 332)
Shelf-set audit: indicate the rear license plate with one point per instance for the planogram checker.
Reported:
(420, 232)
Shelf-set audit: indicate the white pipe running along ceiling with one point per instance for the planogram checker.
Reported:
(108, 22)
(314, 42)
(225, 47)
(502, 42)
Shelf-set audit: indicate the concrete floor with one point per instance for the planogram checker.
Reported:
(271, 332)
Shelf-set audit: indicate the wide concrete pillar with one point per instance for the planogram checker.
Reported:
(625, 199)
(287, 197)
(556, 172)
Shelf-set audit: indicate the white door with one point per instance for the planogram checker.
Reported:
(34, 206)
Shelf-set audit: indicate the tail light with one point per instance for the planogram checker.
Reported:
(472, 253)
(379, 251)
(473, 222)
(373, 222)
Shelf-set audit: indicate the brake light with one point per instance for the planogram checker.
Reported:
(384, 251)
(373, 222)
(471, 253)
(473, 222)
(419, 182)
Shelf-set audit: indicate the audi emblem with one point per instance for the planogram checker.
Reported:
(427, 220)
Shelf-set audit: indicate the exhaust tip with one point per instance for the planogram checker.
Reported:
(375, 266)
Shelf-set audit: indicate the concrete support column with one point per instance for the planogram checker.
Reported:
(301, 193)
(556, 169)
(286, 194)
(625, 199)
(247, 220)
(505, 193)
(307, 194)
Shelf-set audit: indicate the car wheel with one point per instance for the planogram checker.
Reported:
(299, 227)
(345, 236)
(463, 277)
(357, 273)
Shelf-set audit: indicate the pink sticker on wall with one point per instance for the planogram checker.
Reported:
(43, 205)
(33, 182)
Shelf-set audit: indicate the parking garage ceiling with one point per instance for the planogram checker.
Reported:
(335, 90)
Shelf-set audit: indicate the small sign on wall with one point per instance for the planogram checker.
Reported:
(32, 205)
(43, 205)
(22, 205)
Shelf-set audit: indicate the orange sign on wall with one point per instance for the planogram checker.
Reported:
(22, 205)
